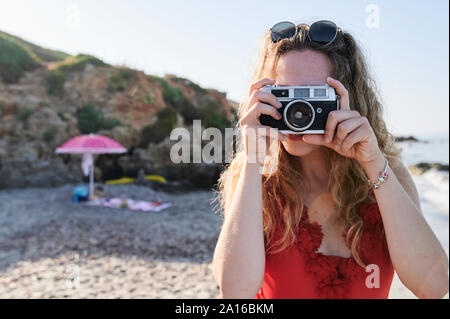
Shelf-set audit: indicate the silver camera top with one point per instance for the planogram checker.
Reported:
(315, 92)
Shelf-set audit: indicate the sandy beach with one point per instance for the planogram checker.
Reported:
(45, 241)
(52, 248)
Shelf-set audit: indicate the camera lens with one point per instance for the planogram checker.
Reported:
(298, 115)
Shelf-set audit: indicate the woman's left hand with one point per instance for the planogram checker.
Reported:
(354, 136)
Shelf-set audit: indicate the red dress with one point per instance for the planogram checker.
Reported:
(300, 272)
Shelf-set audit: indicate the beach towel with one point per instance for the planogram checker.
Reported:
(132, 204)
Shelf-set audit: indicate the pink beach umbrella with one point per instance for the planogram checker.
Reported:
(88, 145)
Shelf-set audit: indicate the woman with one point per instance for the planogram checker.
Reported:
(311, 227)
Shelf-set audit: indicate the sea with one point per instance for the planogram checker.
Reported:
(433, 185)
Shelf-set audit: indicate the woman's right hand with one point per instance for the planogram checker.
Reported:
(260, 102)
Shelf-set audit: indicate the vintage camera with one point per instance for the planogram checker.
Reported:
(304, 108)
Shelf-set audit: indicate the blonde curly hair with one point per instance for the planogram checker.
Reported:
(348, 181)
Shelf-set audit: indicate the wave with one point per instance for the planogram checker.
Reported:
(433, 189)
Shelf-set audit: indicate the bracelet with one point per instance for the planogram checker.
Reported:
(381, 179)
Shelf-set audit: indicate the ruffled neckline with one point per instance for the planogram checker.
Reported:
(335, 274)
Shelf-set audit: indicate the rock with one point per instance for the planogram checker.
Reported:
(204, 175)
(141, 179)
(124, 135)
(34, 123)
(112, 171)
(46, 120)
(420, 168)
(406, 139)
(159, 255)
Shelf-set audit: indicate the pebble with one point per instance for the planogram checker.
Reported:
(52, 248)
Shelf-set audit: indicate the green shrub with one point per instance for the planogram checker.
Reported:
(62, 116)
(14, 60)
(187, 110)
(149, 99)
(110, 123)
(157, 132)
(197, 88)
(212, 115)
(171, 94)
(38, 53)
(26, 114)
(47, 136)
(91, 120)
(119, 81)
(78, 62)
(55, 82)
(234, 112)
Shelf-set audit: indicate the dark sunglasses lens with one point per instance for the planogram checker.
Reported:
(322, 31)
(283, 30)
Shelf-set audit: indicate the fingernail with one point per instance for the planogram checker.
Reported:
(279, 103)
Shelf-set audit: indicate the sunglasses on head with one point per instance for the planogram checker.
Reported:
(322, 32)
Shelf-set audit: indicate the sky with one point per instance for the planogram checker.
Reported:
(214, 43)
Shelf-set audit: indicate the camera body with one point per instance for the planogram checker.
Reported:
(304, 109)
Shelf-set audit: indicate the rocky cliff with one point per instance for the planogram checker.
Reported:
(47, 97)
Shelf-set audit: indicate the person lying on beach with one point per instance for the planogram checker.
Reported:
(311, 227)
